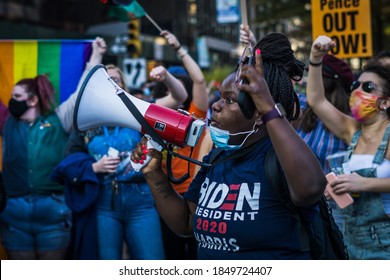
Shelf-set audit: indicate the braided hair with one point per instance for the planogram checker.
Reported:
(280, 67)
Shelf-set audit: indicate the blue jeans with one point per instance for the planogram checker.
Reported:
(337, 214)
(36, 223)
(128, 214)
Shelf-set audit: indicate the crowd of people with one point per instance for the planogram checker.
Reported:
(74, 195)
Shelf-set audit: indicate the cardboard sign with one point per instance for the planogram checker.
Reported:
(347, 22)
(134, 70)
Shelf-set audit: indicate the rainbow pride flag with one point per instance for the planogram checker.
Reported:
(63, 61)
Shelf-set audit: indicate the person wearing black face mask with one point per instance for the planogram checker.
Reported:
(26, 165)
(17, 108)
(36, 222)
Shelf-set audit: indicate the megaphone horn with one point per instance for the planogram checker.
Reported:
(98, 104)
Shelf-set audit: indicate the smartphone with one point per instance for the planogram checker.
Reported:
(112, 152)
(244, 100)
(342, 200)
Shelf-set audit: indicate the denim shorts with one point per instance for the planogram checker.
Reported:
(36, 223)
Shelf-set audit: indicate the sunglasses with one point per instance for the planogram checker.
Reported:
(366, 86)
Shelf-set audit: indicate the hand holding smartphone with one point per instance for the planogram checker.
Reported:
(342, 200)
(112, 152)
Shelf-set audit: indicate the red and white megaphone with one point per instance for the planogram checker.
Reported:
(100, 103)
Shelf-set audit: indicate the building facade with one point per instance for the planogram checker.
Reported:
(192, 21)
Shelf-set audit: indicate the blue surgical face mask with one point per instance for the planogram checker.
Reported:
(221, 137)
(147, 91)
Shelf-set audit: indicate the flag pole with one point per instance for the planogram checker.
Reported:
(153, 22)
(244, 13)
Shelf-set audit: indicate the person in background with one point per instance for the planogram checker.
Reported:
(367, 163)
(118, 208)
(337, 81)
(138, 93)
(213, 95)
(36, 222)
(147, 88)
(196, 104)
(190, 74)
(246, 35)
(382, 58)
(237, 187)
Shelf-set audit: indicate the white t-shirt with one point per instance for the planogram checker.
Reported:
(360, 161)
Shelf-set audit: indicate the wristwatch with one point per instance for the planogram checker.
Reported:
(277, 112)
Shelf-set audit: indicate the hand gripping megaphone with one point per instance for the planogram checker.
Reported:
(101, 102)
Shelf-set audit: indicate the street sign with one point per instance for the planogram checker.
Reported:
(347, 22)
(227, 11)
(135, 71)
(203, 52)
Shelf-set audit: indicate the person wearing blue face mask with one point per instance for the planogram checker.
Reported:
(230, 207)
(221, 137)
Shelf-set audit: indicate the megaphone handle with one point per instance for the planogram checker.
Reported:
(149, 144)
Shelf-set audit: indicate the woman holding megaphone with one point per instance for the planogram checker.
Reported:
(117, 198)
(231, 208)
